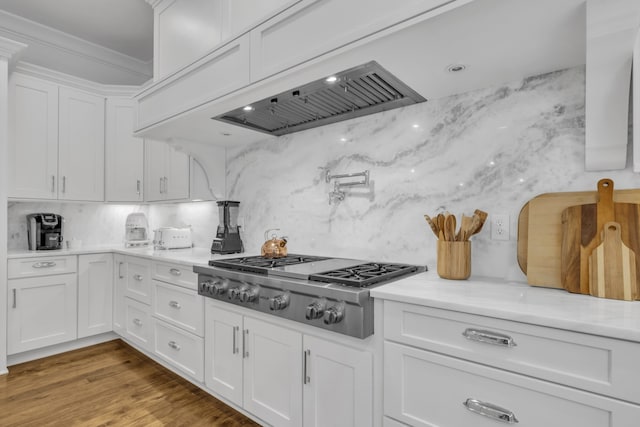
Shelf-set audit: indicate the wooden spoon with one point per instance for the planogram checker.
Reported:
(465, 227)
(450, 228)
(433, 226)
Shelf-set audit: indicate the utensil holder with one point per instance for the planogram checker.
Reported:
(454, 259)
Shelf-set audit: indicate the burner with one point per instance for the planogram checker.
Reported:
(364, 275)
(260, 265)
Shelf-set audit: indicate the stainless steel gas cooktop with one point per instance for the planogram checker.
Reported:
(330, 293)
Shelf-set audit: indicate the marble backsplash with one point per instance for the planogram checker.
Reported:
(491, 149)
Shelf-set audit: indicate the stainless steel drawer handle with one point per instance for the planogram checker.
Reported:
(15, 302)
(234, 344)
(137, 322)
(490, 410)
(173, 345)
(138, 277)
(44, 264)
(489, 337)
(306, 379)
(175, 304)
(175, 272)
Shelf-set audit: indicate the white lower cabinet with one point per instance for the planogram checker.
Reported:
(138, 323)
(338, 385)
(286, 377)
(444, 368)
(42, 311)
(95, 294)
(182, 349)
(254, 364)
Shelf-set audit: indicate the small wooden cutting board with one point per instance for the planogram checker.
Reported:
(581, 233)
(612, 267)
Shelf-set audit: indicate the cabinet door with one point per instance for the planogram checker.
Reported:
(124, 161)
(154, 167)
(138, 324)
(223, 353)
(272, 373)
(177, 175)
(138, 280)
(95, 294)
(33, 138)
(41, 311)
(81, 146)
(338, 385)
(119, 285)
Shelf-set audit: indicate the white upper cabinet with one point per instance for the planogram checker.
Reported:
(81, 146)
(56, 141)
(33, 138)
(166, 172)
(124, 162)
(185, 30)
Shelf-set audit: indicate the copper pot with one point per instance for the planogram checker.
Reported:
(276, 247)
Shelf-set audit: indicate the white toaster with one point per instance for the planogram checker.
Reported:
(172, 238)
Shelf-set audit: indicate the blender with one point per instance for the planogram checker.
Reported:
(227, 240)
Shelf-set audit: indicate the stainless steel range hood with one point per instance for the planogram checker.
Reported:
(358, 91)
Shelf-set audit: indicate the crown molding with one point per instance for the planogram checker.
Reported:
(154, 3)
(75, 82)
(9, 49)
(58, 50)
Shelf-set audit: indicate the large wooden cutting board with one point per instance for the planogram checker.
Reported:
(582, 226)
(540, 232)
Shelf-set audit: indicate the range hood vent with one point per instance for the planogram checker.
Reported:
(356, 92)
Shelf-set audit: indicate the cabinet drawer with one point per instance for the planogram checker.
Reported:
(180, 275)
(41, 266)
(138, 280)
(181, 307)
(602, 365)
(138, 326)
(183, 350)
(428, 389)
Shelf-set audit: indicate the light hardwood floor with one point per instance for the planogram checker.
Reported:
(109, 384)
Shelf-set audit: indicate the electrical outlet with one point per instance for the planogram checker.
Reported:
(499, 226)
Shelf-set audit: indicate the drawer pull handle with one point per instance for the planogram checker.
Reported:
(490, 411)
(44, 264)
(175, 304)
(137, 322)
(138, 277)
(175, 272)
(305, 374)
(235, 349)
(489, 337)
(173, 345)
(15, 303)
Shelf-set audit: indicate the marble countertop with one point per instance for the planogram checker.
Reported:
(520, 302)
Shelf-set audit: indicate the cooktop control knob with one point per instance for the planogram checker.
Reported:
(206, 286)
(315, 310)
(279, 302)
(234, 293)
(248, 295)
(333, 314)
(219, 287)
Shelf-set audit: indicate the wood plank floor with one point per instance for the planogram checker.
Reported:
(108, 384)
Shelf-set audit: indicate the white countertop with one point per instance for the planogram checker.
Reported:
(520, 302)
(188, 257)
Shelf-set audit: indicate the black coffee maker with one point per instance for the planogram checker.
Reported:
(227, 240)
(45, 231)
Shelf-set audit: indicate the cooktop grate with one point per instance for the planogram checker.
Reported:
(359, 91)
(365, 275)
(260, 265)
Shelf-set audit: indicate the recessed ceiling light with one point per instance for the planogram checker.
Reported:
(248, 108)
(331, 79)
(455, 68)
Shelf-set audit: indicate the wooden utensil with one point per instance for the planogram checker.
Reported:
(581, 229)
(612, 267)
(449, 228)
(540, 232)
(433, 226)
(465, 226)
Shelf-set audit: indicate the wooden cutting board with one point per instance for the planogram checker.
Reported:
(612, 267)
(540, 232)
(581, 230)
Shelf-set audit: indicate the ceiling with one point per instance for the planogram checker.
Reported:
(118, 33)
